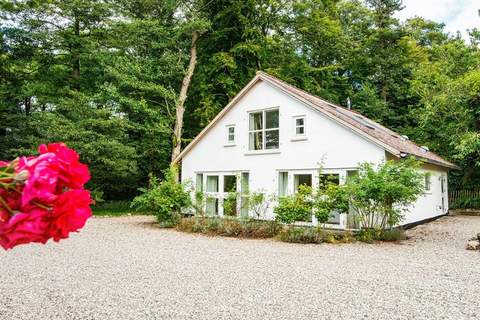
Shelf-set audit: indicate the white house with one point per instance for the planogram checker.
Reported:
(272, 137)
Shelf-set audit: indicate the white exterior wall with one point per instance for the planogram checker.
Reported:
(430, 204)
(328, 142)
(339, 147)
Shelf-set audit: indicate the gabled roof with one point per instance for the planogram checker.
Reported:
(394, 143)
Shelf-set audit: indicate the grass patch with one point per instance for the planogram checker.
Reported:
(113, 208)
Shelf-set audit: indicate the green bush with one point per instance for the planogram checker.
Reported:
(466, 203)
(230, 204)
(112, 208)
(376, 234)
(396, 234)
(199, 203)
(297, 207)
(256, 203)
(301, 235)
(379, 195)
(297, 234)
(166, 199)
(328, 199)
(229, 227)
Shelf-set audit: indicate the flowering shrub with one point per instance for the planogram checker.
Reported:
(42, 197)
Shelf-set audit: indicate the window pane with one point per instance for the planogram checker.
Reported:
(231, 134)
(245, 190)
(428, 182)
(256, 121)
(255, 141)
(230, 205)
(282, 184)
(211, 206)
(271, 139)
(326, 179)
(229, 183)
(244, 206)
(199, 183)
(212, 183)
(271, 119)
(302, 179)
(334, 218)
(300, 130)
(245, 182)
(299, 121)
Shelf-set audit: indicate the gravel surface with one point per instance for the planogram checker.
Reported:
(126, 268)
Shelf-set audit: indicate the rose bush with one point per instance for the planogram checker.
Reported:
(42, 197)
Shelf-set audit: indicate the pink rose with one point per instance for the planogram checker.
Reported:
(70, 213)
(73, 174)
(43, 172)
(25, 227)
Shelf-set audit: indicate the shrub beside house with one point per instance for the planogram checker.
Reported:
(377, 197)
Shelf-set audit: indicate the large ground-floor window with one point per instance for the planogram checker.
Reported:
(224, 192)
(289, 182)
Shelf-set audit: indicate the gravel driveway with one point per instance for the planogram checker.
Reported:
(126, 268)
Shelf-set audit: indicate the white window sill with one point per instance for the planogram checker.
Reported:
(299, 139)
(258, 152)
(230, 145)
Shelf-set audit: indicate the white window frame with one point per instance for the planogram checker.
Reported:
(263, 130)
(304, 126)
(428, 182)
(213, 194)
(220, 194)
(229, 142)
(342, 175)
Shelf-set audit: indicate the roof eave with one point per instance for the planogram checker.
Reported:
(338, 120)
(431, 161)
(217, 118)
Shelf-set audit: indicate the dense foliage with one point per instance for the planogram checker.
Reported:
(379, 195)
(230, 227)
(105, 76)
(296, 207)
(166, 199)
(328, 199)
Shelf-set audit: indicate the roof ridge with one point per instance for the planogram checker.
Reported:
(387, 139)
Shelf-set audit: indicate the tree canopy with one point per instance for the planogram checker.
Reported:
(104, 76)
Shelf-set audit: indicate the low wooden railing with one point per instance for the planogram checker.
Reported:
(464, 199)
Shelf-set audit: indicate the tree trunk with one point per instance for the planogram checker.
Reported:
(28, 105)
(177, 131)
(384, 90)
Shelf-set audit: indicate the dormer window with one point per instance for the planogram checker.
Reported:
(231, 134)
(263, 130)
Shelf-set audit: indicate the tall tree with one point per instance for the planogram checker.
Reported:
(193, 19)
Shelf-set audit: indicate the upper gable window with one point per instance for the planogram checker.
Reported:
(299, 123)
(230, 134)
(263, 129)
